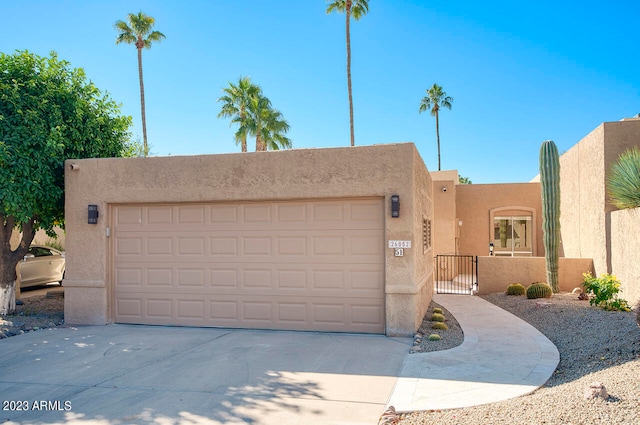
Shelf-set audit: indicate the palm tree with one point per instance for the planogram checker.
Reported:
(138, 31)
(266, 124)
(235, 103)
(435, 99)
(247, 107)
(273, 131)
(357, 9)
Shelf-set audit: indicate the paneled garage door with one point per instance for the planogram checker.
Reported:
(306, 265)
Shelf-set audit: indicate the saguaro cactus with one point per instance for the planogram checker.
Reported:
(550, 187)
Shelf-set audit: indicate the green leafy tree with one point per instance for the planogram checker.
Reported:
(132, 149)
(623, 182)
(464, 180)
(355, 9)
(235, 103)
(49, 112)
(139, 31)
(247, 107)
(435, 99)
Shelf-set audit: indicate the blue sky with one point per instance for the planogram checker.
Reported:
(519, 72)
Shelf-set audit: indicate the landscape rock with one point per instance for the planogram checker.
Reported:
(595, 390)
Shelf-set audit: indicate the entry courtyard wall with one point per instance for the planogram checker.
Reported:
(368, 171)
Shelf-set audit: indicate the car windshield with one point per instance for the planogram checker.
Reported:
(38, 251)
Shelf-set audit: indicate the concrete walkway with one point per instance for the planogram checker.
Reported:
(502, 357)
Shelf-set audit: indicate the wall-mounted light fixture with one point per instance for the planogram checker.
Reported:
(444, 188)
(93, 214)
(490, 248)
(395, 206)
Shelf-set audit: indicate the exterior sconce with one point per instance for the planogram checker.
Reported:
(93, 214)
(490, 248)
(395, 206)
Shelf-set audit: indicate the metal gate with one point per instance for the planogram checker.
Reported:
(456, 274)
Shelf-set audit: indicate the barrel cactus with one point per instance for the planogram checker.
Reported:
(515, 289)
(550, 187)
(539, 290)
(437, 317)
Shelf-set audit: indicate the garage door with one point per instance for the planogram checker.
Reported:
(305, 265)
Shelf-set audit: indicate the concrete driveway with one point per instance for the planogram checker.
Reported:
(128, 374)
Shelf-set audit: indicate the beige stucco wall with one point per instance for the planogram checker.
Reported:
(625, 252)
(474, 203)
(496, 273)
(445, 213)
(585, 219)
(42, 238)
(380, 170)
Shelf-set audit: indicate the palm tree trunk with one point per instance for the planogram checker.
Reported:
(142, 108)
(260, 145)
(243, 143)
(438, 138)
(348, 26)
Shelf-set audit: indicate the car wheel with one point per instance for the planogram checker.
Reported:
(60, 283)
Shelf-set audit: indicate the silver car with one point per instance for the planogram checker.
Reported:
(40, 266)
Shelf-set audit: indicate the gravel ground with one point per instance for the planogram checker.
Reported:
(37, 312)
(594, 345)
(451, 337)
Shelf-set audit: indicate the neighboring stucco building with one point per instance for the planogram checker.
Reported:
(590, 225)
(296, 239)
(595, 236)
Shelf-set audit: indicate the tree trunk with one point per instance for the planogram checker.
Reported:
(260, 145)
(142, 108)
(348, 26)
(8, 299)
(243, 143)
(438, 138)
(9, 260)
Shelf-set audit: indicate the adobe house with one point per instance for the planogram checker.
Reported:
(312, 239)
(595, 236)
(307, 239)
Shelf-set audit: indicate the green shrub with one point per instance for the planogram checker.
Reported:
(434, 337)
(436, 317)
(623, 182)
(440, 325)
(437, 310)
(515, 289)
(539, 290)
(605, 291)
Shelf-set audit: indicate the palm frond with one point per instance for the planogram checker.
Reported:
(337, 6)
(153, 37)
(623, 182)
(359, 8)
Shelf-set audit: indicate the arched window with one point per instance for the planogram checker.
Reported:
(513, 231)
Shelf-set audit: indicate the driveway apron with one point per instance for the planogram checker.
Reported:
(126, 374)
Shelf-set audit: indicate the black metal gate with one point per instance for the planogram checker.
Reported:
(456, 274)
